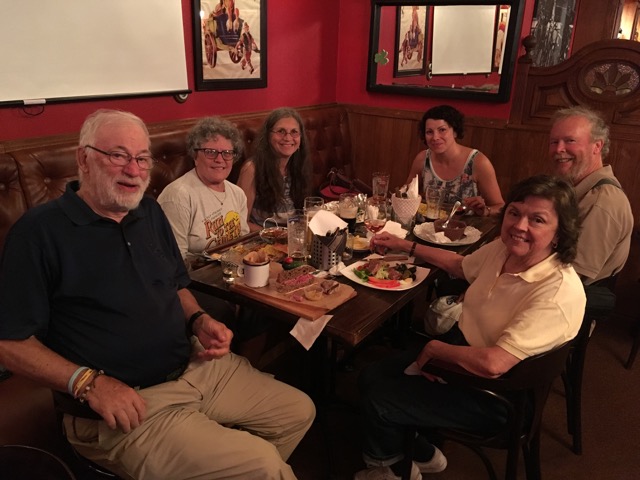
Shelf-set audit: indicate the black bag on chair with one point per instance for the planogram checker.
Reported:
(337, 183)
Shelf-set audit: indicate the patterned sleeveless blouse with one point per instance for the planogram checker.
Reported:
(282, 211)
(462, 186)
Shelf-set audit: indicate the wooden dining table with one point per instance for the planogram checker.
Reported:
(356, 319)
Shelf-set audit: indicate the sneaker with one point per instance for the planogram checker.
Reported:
(385, 473)
(437, 463)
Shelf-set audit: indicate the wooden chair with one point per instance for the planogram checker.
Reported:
(523, 391)
(19, 462)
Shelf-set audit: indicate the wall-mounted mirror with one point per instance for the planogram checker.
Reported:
(442, 48)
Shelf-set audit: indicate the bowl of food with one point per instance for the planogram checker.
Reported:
(273, 235)
(453, 231)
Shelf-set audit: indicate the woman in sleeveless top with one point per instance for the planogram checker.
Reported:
(278, 177)
(461, 171)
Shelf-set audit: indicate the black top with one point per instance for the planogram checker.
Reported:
(100, 293)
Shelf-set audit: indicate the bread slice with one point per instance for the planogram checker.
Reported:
(299, 277)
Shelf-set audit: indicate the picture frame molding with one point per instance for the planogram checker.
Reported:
(204, 63)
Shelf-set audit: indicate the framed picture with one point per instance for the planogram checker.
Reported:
(230, 44)
(411, 32)
(501, 37)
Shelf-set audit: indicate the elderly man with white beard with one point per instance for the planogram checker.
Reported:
(94, 304)
(579, 141)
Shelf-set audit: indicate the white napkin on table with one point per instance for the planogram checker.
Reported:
(306, 331)
(394, 228)
(324, 221)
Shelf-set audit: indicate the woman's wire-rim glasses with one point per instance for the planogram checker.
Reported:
(283, 133)
(212, 154)
(119, 158)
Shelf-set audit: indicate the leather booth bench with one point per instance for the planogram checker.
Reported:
(34, 171)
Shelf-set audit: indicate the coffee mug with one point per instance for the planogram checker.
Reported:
(255, 275)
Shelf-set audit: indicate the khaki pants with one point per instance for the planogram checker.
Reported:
(187, 434)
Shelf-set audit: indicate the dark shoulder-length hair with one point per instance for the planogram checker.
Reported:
(563, 197)
(268, 181)
(452, 116)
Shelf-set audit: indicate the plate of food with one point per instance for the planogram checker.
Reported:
(426, 231)
(385, 275)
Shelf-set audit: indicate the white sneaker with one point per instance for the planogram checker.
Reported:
(385, 473)
(437, 464)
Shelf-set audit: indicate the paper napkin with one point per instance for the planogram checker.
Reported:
(394, 228)
(324, 221)
(306, 331)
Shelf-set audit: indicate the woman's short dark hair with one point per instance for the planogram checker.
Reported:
(561, 193)
(208, 129)
(453, 117)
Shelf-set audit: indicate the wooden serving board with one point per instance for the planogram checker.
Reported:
(311, 310)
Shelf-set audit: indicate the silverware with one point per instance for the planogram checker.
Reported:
(453, 210)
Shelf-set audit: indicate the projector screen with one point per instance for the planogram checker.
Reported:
(463, 39)
(72, 49)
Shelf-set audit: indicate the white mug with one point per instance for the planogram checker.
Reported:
(255, 276)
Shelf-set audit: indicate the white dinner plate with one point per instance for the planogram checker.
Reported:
(426, 232)
(421, 274)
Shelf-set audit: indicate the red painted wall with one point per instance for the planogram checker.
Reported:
(305, 67)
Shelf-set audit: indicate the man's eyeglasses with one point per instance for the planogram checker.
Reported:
(212, 153)
(145, 162)
(281, 133)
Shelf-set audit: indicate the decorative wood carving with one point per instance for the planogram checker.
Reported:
(604, 75)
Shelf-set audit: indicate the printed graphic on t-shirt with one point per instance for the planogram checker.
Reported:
(222, 229)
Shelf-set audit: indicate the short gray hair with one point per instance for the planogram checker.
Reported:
(599, 128)
(103, 117)
(211, 127)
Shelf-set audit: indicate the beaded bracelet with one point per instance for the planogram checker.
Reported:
(73, 379)
(84, 379)
(83, 396)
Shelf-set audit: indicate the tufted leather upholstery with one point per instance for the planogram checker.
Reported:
(36, 170)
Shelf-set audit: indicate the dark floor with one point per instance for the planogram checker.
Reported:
(611, 420)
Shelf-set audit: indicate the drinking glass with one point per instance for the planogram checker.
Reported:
(312, 205)
(348, 209)
(375, 214)
(433, 198)
(296, 232)
(380, 184)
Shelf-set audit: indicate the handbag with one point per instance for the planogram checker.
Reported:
(338, 182)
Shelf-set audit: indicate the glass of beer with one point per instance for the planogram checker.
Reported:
(348, 209)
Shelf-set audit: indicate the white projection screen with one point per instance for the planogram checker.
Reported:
(74, 49)
(462, 39)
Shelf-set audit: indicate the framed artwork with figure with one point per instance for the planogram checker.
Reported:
(230, 44)
(411, 34)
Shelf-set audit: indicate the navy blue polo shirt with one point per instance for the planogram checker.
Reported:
(100, 293)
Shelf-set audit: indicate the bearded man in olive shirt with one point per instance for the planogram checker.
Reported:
(579, 142)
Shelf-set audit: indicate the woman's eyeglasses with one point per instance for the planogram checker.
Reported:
(281, 133)
(212, 153)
